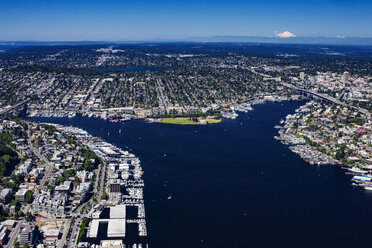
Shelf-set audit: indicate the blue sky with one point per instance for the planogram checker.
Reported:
(142, 20)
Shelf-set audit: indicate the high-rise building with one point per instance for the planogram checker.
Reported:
(302, 75)
(28, 234)
(345, 77)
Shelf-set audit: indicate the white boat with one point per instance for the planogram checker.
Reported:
(367, 187)
(356, 170)
(362, 178)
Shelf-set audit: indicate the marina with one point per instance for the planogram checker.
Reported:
(104, 115)
(310, 152)
(235, 182)
(124, 188)
(312, 156)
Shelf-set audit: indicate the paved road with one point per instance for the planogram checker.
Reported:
(64, 235)
(48, 169)
(13, 107)
(101, 179)
(14, 234)
(47, 173)
(74, 231)
(76, 213)
(74, 228)
(328, 98)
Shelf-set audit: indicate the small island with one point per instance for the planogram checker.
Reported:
(208, 117)
(191, 120)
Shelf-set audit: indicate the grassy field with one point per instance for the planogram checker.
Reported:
(187, 121)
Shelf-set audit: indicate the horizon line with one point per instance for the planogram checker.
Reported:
(194, 37)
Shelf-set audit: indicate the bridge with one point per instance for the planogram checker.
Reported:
(14, 107)
(327, 98)
(318, 95)
(341, 95)
(315, 94)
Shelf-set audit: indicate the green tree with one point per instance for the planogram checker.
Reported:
(8, 159)
(15, 203)
(29, 217)
(340, 154)
(82, 229)
(16, 243)
(29, 196)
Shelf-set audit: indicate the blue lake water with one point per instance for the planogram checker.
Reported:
(2, 48)
(233, 185)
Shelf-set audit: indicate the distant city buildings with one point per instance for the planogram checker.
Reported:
(72, 178)
(302, 76)
(345, 77)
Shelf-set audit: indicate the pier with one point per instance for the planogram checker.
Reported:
(124, 187)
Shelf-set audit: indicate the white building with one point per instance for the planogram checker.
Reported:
(345, 77)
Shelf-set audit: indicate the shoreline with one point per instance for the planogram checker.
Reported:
(132, 180)
(190, 121)
(123, 114)
(312, 150)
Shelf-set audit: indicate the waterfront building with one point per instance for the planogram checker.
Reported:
(115, 185)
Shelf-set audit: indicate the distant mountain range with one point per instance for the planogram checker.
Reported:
(292, 40)
(221, 39)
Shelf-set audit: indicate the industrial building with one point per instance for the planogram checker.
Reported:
(116, 223)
